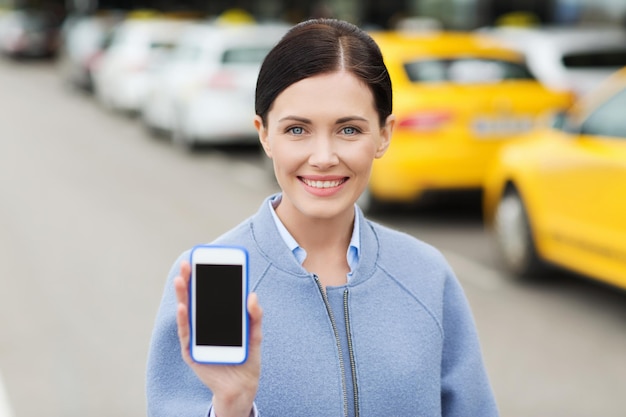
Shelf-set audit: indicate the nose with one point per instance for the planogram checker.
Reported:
(323, 152)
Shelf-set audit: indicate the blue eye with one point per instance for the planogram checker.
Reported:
(350, 130)
(296, 130)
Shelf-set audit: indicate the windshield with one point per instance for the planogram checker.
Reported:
(251, 55)
(466, 70)
(597, 59)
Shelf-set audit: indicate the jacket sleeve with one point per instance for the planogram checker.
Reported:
(466, 390)
(172, 389)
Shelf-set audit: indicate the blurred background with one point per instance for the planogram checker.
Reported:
(126, 137)
(457, 14)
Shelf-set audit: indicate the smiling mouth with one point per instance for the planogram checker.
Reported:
(323, 184)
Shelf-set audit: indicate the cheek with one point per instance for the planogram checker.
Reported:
(365, 167)
(358, 168)
(360, 158)
(287, 158)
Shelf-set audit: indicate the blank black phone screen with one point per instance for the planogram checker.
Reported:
(219, 306)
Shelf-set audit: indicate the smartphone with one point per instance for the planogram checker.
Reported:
(218, 304)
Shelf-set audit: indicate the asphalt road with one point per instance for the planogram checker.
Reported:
(93, 211)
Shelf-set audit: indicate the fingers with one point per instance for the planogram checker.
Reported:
(254, 309)
(182, 322)
(185, 270)
(255, 312)
(181, 285)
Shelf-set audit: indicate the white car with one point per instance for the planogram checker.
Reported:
(205, 94)
(82, 41)
(568, 58)
(123, 73)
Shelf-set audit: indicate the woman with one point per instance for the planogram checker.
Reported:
(358, 319)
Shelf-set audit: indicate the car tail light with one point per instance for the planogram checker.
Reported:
(92, 62)
(222, 80)
(426, 120)
(139, 66)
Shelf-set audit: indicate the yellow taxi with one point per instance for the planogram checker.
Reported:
(457, 98)
(558, 195)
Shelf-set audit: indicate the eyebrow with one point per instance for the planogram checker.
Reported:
(338, 121)
(351, 119)
(296, 119)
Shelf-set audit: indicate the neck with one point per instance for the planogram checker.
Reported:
(318, 234)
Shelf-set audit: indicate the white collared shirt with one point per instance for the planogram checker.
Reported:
(352, 255)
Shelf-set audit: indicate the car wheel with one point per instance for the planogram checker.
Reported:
(180, 139)
(152, 130)
(514, 236)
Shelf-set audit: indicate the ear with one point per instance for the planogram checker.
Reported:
(385, 135)
(262, 130)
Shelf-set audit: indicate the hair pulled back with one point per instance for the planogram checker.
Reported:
(319, 46)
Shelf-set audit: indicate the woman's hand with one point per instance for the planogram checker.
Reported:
(234, 387)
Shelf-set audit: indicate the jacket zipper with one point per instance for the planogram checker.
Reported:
(340, 350)
(351, 352)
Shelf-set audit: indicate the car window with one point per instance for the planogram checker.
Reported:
(162, 46)
(608, 119)
(254, 55)
(597, 59)
(466, 70)
(187, 53)
(131, 38)
(119, 38)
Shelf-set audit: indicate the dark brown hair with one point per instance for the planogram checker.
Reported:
(321, 46)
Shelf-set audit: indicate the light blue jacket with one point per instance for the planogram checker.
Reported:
(398, 340)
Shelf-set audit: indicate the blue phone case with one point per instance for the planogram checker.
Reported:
(247, 291)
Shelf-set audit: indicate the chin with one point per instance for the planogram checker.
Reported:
(327, 209)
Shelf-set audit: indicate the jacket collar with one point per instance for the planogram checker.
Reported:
(270, 244)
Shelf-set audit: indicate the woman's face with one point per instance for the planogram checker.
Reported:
(323, 134)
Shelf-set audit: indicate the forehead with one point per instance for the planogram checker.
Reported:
(333, 93)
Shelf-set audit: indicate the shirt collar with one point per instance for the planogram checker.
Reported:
(354, 248)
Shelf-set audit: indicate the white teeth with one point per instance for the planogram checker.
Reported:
(322, 184)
